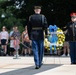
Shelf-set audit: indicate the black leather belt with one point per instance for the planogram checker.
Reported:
(37, 28)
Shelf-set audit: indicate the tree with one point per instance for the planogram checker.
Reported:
(56, 11)
(9, 11)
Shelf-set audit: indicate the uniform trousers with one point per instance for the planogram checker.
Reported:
(38, 51)
(73, 52)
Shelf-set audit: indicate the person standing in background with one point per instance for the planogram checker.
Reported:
(16, 35)
(26, 41)
(66, 49)
(4, 36)
(12, 50)
(36, 26)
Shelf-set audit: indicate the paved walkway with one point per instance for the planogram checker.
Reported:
(25, 66)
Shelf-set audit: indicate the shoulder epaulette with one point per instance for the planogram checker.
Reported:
(64, 26)
(42, 14)
(30, 17)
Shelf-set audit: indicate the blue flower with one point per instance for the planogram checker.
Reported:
(53, 28)
(53, 39)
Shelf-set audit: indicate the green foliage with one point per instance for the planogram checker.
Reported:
(56, 11)
(10, 13)
(11, 21)
(21, 28)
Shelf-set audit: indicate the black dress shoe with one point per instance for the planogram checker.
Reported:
(37, 67)
(41, 65)
(73, 63)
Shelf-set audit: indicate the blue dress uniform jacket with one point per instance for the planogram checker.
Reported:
(36, 26)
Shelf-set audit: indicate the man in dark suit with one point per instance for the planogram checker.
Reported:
(71, 37)
(36, 26)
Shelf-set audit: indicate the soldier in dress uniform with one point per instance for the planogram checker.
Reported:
(71, 37)
(36, 26)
